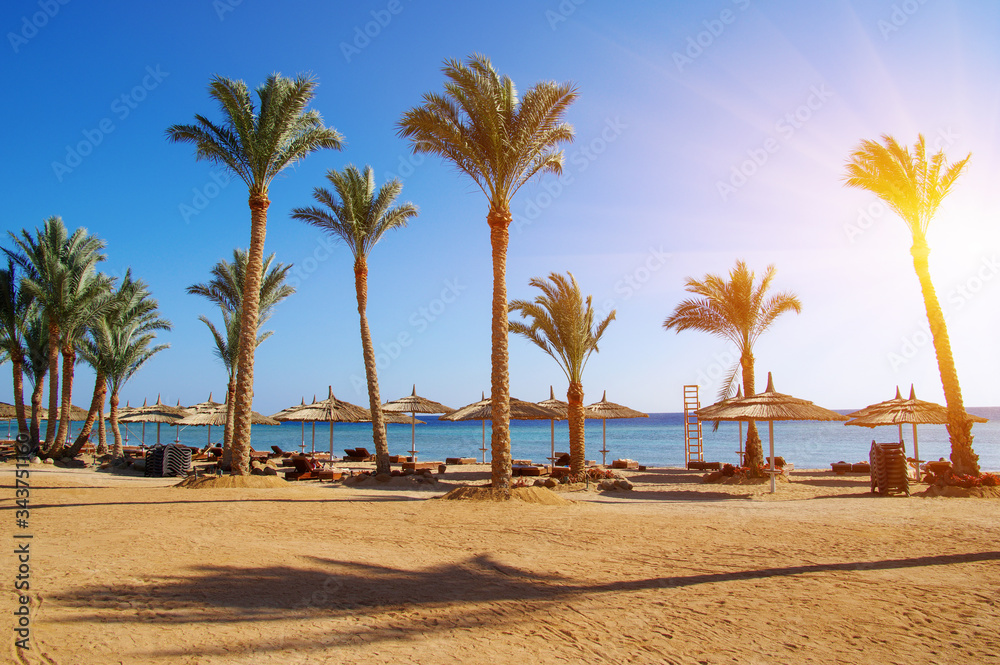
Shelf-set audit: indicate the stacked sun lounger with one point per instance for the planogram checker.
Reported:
(888, 468)
(168, 461)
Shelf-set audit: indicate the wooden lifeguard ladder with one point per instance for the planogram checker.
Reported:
(693, 444)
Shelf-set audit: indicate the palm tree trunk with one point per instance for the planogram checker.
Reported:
(248, 335)
(753, 451)
(69, 364)
(499, 221)
(36, 409)
(227, 435)
(102, 433)
(963, 459)
(374, 400)
(17, 361)
(577, 429)
(50, 428)
(117, 451)
(96, 403)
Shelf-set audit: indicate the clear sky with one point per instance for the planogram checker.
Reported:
(676, 98)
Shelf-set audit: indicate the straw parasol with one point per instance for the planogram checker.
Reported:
(606, 410)
(560, 407)
(482, 410)
(414, 404)
(288, 415)
(770, 405)
(202, 407)
(217, 416)
(898, 411)
(331, 410)
(8, 412)
(158, 413)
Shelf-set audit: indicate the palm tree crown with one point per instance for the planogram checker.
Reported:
(908, 182)
(561, 323)
(357, 213)
(257, 145)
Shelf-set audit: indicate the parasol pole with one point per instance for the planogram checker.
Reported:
(552, 455)
(916, 451)
(604, 441)
(770, 436)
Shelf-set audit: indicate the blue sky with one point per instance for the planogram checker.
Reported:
(678, 102)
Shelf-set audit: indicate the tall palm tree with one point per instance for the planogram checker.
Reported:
(129, 305)
(359, 215)
(562, 325)
(914, 186)
(256, 145)
(500, 141)
(15, 306)
(59, 270)
(740, 311)
(225, 290)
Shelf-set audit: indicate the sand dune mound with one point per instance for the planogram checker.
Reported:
(541, 495)
(963, 492)
(213, 482)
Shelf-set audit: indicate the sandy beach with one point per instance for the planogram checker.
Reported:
(132, 570)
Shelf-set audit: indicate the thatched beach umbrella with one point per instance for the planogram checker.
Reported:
(605, 410)
(201, 407)
(771, 405)
(898, 411)
(217, 416)
(331, 410)
(414, 404)
(8, 412)
(559, 407)
(158, 413)
(483, 410)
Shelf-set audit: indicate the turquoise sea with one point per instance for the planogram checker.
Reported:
(654, 441)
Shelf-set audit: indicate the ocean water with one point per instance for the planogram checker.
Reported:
(654, 441)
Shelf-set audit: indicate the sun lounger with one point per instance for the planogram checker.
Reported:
(840, 468)
(278, 452)
(695, 465)
(414, 467)
(460, 460)
(527, 470)
(358, 455)
(624, 464)
(305, 469)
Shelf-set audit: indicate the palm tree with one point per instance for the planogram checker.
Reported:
(740, 311)
(562, 325)
(359, 215)
(59, 273)
(914, 186)
(15, 306)
(501, 142)
(225, 289)
(36, 343)
(129, 305)
(256, 146)
(125, 339)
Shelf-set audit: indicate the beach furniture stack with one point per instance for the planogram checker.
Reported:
(888, 468)
(170, 460)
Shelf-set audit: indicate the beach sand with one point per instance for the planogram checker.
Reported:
(132, 570)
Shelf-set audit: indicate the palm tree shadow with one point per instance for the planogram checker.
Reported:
(460, 593)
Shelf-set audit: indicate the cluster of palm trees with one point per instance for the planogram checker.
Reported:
(54, 303)
(479, 123)
(913, 185)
